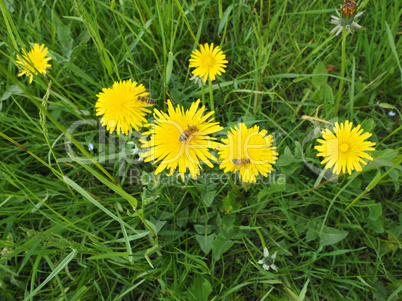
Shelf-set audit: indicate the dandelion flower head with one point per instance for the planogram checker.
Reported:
(181, 139)
(345, 148)
(34, 61)
(208, 62)
(122, 107)
(346, 18)
(248, 151)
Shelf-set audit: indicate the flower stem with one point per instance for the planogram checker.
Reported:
(234, 186)
(203, 95)
(261, 238)
(338, 101)
(211, 96)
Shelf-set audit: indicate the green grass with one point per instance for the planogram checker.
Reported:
(69, 230)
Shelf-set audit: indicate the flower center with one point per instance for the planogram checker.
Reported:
(208, 61)
(344, 147)
(268, 261)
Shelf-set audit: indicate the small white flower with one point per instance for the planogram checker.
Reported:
(342, 22)
(391, 113)
(268, 262)
(134, 150)
(90, 146)
(198, 80)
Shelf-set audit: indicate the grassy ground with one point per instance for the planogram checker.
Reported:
(68, 228)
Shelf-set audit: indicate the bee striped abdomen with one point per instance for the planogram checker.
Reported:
(187, 133)
(147, 100)
(240, 162)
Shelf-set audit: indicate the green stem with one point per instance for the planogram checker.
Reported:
(338, 101)
(234, 186)
(211, 96)
(352, 90)
(261, 238)
(203, 94)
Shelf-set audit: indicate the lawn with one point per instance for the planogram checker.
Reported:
(200, 150)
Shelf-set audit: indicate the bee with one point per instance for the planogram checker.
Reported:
(147, 100)
(187, 133)
(240, 162)
(349, 8)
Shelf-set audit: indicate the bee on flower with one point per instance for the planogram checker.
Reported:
(346, 18)
(181, 139)
(248, 151)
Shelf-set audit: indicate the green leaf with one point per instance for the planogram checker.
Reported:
(387, 106)
(205, 242)
(341, 252)
(395, 293)
(200, 289)
(375, 211)
(195, 262)
(374, 181)
(220, 245)
(286, 158)
(312, 232)
(376, 226)
(326, 94)
(65, 38)
(208, 196)
(299, 153)
(182, 218)
(276, 187)
(304, 291)
(204, 229)
(128, 197)
(368, 125)
(330, 236)
(53, 274)
(169, 67)
(14, 89)
(95, 202)
(320, 70)
(229, 203)
(394, 175)
(291, 169)
(224, 18)
(393, 48)
(149, 196)
(108, 255)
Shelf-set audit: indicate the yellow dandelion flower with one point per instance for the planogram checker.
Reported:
(181, 139)
(248, 151)
(208, 62)
(123, 106)
(33, 62)
(345, 148)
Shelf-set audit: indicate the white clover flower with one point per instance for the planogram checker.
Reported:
(198, 80)
(345, 20)
(268, 262)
